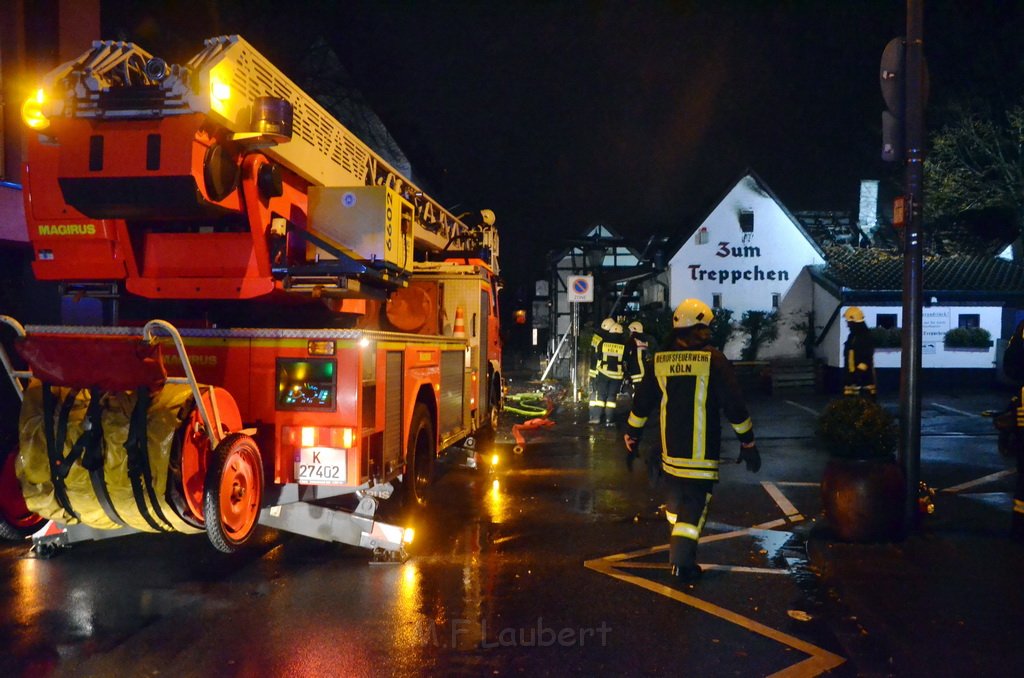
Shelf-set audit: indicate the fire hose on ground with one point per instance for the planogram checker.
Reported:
(538, 406)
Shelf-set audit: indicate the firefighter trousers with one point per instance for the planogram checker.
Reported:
(602, 404)
(686, 508)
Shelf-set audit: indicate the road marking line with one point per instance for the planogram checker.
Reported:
(706, 567)
(954, 410)
(980, 481)
(780, 499)
(818, 662)
(803, 407)
(795, 483)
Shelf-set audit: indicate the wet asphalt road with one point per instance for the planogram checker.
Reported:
(550, 563)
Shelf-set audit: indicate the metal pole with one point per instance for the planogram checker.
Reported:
(574, 326)
(910, 372)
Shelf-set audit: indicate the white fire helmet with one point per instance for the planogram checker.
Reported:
(692, 312)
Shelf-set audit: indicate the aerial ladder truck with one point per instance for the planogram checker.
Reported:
(292, 331)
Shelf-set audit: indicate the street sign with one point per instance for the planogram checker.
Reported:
(899, 211)
(581, 289)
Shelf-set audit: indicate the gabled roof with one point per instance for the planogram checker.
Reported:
(603, 237)
(875, 270)
(685, 235)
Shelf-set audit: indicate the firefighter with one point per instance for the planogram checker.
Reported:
(688, 383)
(600, 335)
(859, 356)
(1013, 367)
(609, 377)
(638, 353)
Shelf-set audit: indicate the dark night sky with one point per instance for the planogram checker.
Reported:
(638, 115)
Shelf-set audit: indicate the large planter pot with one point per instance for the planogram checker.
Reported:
(863, 499)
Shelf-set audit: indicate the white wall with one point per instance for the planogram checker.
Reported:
(746, 269)
(935, 322)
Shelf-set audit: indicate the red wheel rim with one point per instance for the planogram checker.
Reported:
(240, 490)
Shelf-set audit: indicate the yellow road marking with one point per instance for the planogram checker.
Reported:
(819, 660)
(780, 499)
(817, 663)
(980, 481)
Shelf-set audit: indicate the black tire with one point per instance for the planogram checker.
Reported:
(420, 452)
(488, 430)
(233, 493)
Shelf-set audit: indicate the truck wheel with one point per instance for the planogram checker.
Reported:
(419, 457)
(233, 493)
(488, 431)
(16, 521)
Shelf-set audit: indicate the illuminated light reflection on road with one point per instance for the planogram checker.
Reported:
(27, 591)
(496, 503)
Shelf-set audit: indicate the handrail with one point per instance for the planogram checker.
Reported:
(190, 378)
(14, 375)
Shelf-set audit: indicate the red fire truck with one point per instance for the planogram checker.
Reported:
(319, 330)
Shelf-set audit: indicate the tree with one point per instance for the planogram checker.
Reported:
(974, 174)
(721, 328)
(761, 327)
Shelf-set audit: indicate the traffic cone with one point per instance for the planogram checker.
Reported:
(460, 323)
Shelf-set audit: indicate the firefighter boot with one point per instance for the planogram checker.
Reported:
(683, 557)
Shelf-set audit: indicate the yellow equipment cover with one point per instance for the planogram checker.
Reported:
(33, 464)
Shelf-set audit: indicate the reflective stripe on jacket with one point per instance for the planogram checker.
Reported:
(690, 388)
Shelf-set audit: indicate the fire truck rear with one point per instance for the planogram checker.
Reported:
(293, 331)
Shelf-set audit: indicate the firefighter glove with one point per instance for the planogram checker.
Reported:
(632, 444)
(751, 456)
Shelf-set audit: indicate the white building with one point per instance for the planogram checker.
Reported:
(752, 254)
(748, 255)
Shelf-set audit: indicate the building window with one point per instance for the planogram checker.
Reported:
(716, 300)
(746, 221)
(702, 235)
(886, 320)
(969, 320)
(776, 298)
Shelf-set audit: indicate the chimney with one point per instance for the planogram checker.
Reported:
(867, 215)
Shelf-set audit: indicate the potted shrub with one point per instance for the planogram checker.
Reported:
(968, 338)
(887, 337)
(862, 490)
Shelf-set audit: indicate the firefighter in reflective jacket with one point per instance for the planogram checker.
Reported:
(859, 356)
(688, 384)
(638, 353)
(600, 335)
(609, 377)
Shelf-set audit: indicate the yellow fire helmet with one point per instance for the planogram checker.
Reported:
(692, 312)
(853, 315)
(635, 326)
(606, 324)
(616, 328)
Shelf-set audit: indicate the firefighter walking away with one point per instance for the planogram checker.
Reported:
(689, 384)
(608, 371)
